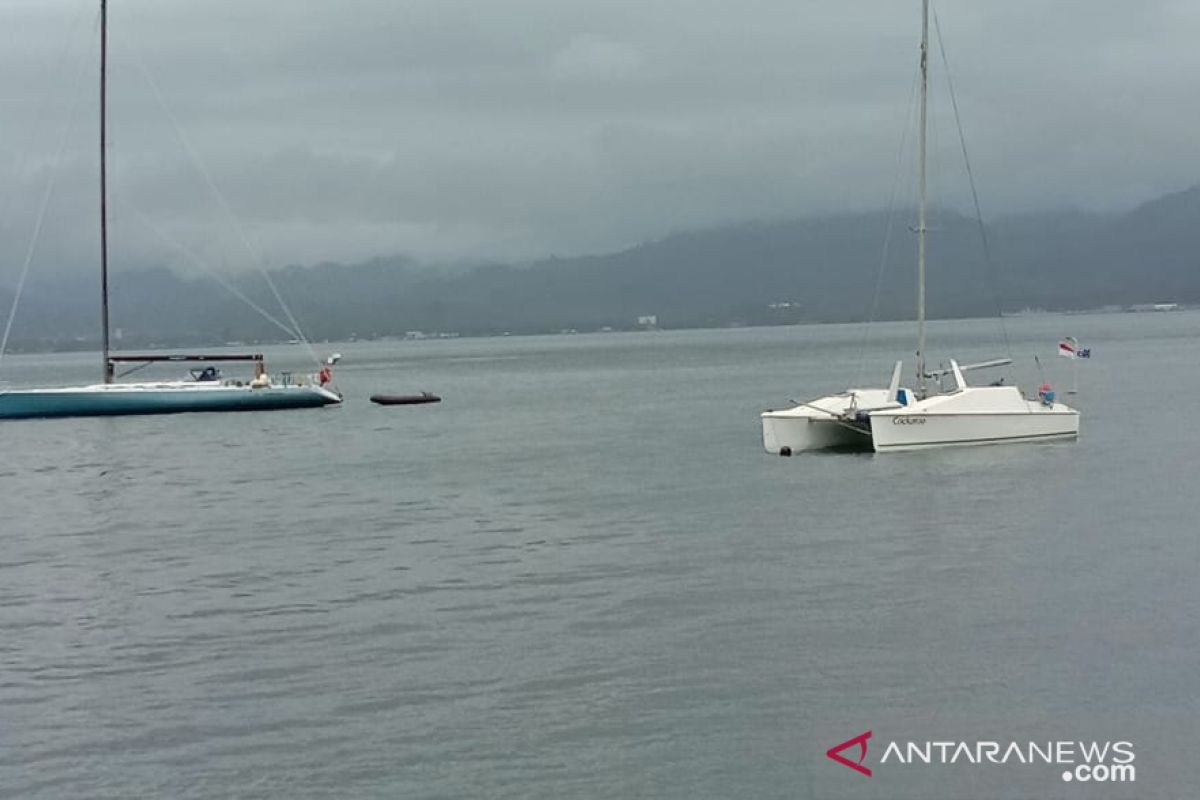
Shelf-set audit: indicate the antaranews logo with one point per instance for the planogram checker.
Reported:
(1085, 761)
(835, 753)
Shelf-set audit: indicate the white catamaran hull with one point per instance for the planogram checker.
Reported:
(167, 397)
(824, 423)
(973, 416)
(795, 431)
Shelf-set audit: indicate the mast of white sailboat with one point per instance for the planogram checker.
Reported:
(108, 367)
(921, 203)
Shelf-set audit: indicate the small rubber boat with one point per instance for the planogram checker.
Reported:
(405, 399)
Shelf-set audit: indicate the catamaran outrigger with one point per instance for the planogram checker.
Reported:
(207, 392)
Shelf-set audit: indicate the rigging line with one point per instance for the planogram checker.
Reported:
(198, 163)
(212, 273)
(41, 214)
(962, 141)
(889, 226)
(132, 370)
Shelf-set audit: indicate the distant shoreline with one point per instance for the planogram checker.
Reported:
(88, 346)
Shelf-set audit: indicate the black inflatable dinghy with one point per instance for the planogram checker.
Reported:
(405, 399)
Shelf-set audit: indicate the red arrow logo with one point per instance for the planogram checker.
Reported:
(835, 753)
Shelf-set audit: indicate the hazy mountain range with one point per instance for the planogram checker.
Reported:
(808, 270)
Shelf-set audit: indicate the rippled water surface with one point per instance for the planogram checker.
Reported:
(580, 576)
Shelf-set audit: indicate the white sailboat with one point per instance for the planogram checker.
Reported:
(895, 419)
(206, 392)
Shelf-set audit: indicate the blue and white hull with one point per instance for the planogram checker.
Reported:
(166, 397)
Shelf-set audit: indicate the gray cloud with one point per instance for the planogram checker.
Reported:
(462, 130)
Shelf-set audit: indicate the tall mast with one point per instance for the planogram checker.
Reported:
(921, 203)
(108, 367)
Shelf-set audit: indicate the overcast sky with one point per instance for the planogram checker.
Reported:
(465, 130)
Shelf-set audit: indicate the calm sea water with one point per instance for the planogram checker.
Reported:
(580, 576)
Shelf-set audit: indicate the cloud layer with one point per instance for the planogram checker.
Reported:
(464, 130)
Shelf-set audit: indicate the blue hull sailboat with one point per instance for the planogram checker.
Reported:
(207, 392)
(167, 397)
